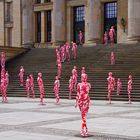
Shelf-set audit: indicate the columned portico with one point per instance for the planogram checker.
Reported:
(133, 21)
(58, 22)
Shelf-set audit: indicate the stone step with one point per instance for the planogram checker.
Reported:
(97, 63)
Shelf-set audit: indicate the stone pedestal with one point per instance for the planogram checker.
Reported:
(133, 21)
(58, 22)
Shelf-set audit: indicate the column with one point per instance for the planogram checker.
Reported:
(58, 22)
(133, 21)
(27, 23)
(42, 26)
(2, 38)
(93, 21)
(69, 23)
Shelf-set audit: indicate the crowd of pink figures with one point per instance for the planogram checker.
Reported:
(81, 89)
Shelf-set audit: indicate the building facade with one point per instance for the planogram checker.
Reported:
(43, 23)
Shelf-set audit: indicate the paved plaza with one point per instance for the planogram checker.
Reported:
(25, 119)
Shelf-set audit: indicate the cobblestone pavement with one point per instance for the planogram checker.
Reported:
(25, 119)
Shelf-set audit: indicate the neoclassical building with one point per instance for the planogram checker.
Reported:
(44, 23)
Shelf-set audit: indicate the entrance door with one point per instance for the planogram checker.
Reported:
(110, 17)
(79, 22)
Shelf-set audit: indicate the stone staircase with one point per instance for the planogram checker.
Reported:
(12, 52)
(97, 62)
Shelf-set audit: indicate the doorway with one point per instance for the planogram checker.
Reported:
(110, 17)
(78, 22)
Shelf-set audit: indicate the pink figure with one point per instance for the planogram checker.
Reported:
(83, 70)
(2, 72)
(6, 81)
(119, 86)
(32, 85)
(74, 77)
(105, 38)
(57, 56)
(74, 47)
(28, 86)
(83, 73)
(67, 51)
(21, 75)
(63, 53)
(111, 84)
(3, 90)
(59, 69)
(2, 59)
(129, 87)
(83, 101)
(70, 86)
(56, 89)
(112, 58)
(80, 37)
(111, 35)
(41, 87)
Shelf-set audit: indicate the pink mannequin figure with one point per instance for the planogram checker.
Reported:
(59, 69)
(129, 87)
(80, 37)
(105, 38)
(111, 84)
(2, 59)
(6, 81)
(41, 87)
(112, 57)
(70, 87)
(111, 35)
(3, 89)
(2, 72)
(28, 86)
(74, 47)
(83, 73)
(74, 77)
(119, 86)
(83, 102)
(57, 56)
(63, 53)
(56, 89)
(21, 75)
(32, 85)
(67, 46)
(83, 70)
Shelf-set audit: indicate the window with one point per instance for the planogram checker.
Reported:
(9, 12)
(38, 26)
(79, 13)
(48, 29)
(111, 10)
(47, 1)
(38, 1)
